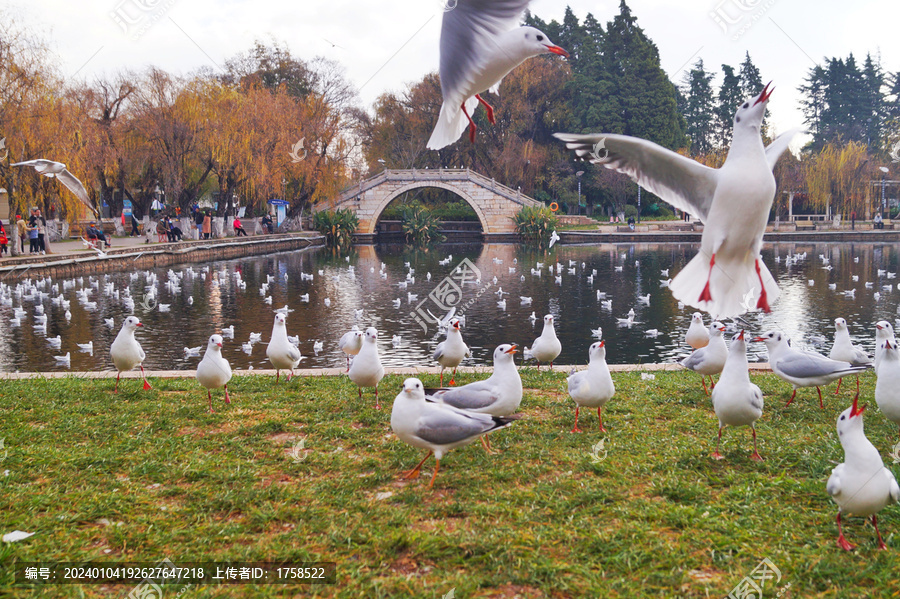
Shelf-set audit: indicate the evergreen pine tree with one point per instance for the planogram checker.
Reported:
(698, 111)
(730, 97)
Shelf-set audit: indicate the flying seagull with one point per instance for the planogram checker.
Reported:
(733, 203)
(480, 45)
(48, 168)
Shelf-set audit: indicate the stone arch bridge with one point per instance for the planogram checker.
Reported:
(494, 203)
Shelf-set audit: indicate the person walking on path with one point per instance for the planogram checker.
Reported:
(134, 226)
(238, 228)
(198, 221)
(22, 227)
(33, 247)
(207, 225)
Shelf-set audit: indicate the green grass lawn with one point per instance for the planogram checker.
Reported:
(144, 476)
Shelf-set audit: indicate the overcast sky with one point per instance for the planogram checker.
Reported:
(385, 45)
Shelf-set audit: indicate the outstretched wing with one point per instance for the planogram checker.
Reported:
(775, 149)
(468, 33)
(75, 186)
(41, 165)
(680, 181)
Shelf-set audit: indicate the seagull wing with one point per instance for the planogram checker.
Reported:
(468, 36)
(442, 425)
(439, 351)
(834, 481)
(802, 365)
(75, 186)
(680, 181)
(40, 164)
(775, 149)
(470, 397)
(293, 353)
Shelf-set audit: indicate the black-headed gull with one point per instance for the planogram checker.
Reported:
(887, 388)
(366, 369)
(861, 485)
(214, 371)
(733, 202)
(126, 352)
(283, 354)
(697, 335)
(436, 426)
(803, 369)
(480, 44)
(546, 347)
(736, 400)
(350, 343)
(883, 332)
(844, 350)
(450, 352)
(593, 387)
(49, 168)
(709, 360)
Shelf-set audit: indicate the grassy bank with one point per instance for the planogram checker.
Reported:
(144, 476)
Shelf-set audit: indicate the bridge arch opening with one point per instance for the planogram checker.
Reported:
(453, 190)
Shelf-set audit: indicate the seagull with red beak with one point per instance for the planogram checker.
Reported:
(214, 371)
(736, 400)
(727, 277)
(450, 352)
(126, 352)
(480, 45)
(711, 359)
(887, 389)
(861, 486)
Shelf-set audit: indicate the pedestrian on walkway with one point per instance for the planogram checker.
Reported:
(207, 225)
(3, 240)
(134, 226)
(33, 247)
(198, 221)
(22, 228)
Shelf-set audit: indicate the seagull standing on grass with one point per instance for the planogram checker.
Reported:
(697, 336)
(844, 350)
(214, 371)
(711, 359)
(450, 352)
(366, 369)
(803, 369)
(546, 347)
(350, 343)
(593, 387)
(436, 426)
(480, 45)
(126, 352)
(861, 485)
(283, 354)
(736, 400)
(733, 202)
(887, 388)
(883, 332)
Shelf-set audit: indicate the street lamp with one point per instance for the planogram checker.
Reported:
(578, 176)
(884, 171)
(639, 204)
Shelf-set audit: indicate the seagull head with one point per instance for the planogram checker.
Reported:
(413, 388)
(840, 324)
(535, 41)
(716, 329)
(280, 319)
(851, 419)
(751, 113)
(215, 342)
(505, 352)
(883, 329)
(597, 350)
(454, 324)
(771, 339)
(371, 335)
(131, 323)
(697, 317)
(548, 320)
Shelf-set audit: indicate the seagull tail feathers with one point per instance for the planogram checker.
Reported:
(730, 282)
(451, 124)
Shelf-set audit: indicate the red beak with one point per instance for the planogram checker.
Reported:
(759, 339)
(557, 50)
(219, 344)
(456, 325)
(512, 350)
(602, 343)
(741, 336)
(139, 324)
(765, 95)
(855, 410)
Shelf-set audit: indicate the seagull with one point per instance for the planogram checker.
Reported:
(397, 302)
(126, 352)
(736, 400)
(317, 346)
(366, 369)
(55, 342)
(480, 44)
(86, 347)
(803, 369)
(844, 350)
(48, 168)
(628, 320)
(190, 352)
(887, 388)
(644, 299)
(532, 318)
(395, 341)
(709, 360)
(450, 352)
(733, 203)
(593, 387)
(883, 332)
(110, 322)
(861, 485)
(228, 332)
(65, 360)
(436, 426)
(525, 301)
(554, 237)
(214, 371)
(502, 304)
(546, 347)
(283, 354)
(598, 333)
(697, 335)
(350, 343)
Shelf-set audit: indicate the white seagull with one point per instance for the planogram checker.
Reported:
(214, 371)
(861, 485)
(883, 332)
(887, 388)
(126, 352)
(366, 369)
(283, 354)
(480, 44)
(436, 426)
(697, 335)
(450, 352)
(733, 203)
(593, 387)
(546, 347)
(350, 343)
(711, 359)
(844, 350)
(736, 400)
(48, 168)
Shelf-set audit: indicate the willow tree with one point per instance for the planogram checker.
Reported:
(838, 179)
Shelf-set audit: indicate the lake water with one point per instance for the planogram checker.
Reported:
(803, 310)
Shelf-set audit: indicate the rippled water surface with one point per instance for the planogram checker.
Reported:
(804, 311)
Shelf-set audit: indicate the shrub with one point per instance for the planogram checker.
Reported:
(534, 224)
(338, 226)
(630, 211)
(420, 226)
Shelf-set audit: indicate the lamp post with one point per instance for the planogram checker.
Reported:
(884, 171)
(578, 176)
(639, 204)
